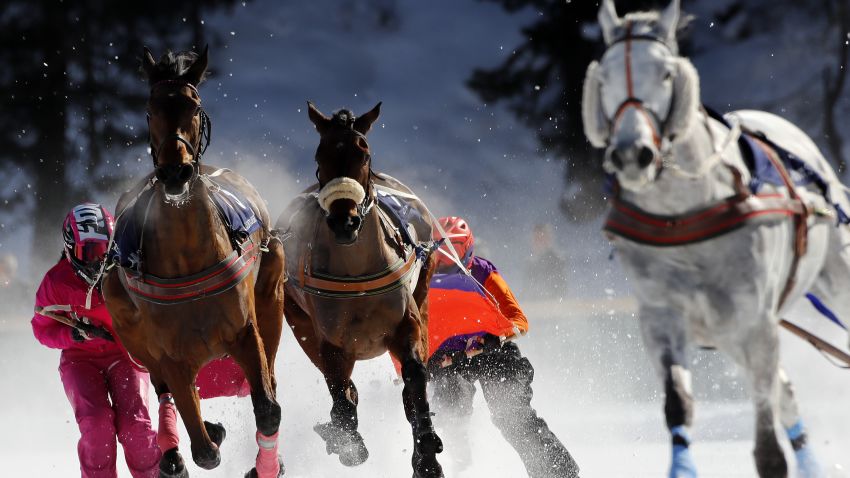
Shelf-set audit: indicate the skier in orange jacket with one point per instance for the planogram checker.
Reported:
(467, 329)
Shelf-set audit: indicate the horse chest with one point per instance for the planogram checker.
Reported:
(361, 326)
(722, 276)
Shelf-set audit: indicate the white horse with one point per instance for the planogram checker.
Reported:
(641, 103)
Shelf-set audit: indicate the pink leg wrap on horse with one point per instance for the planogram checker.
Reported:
(166, 436)
(267, 464)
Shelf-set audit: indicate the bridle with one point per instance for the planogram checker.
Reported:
(657, 124)
(204, 128)
(368, 202)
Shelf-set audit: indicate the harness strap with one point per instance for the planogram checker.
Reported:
(629, 221)
(211, 281)
(387, 280)
(631, 101)
(801, 226)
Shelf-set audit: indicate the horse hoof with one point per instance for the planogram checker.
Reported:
(216, 432)
(253, 472)
(427, 468)
(171, 465)
(770, 462)
(807, 464)
(354, 453)
(208, 458)
(683, 464)
(429, 443)
(348, 445)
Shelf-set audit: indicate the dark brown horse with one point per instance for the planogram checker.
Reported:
(355, 288)
(192, 288)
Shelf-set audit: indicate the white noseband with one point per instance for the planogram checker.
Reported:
(340, 188)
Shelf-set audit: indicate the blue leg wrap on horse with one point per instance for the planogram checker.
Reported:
(807, 464)
(682, 465)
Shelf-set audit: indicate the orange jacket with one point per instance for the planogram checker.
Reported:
(459, 308)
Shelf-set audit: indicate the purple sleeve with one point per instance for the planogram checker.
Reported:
(481, 269)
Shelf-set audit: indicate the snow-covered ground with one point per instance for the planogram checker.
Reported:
(593, 383)
(589, 391)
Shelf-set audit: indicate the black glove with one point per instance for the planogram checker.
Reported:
(83, 331)
(491, 343)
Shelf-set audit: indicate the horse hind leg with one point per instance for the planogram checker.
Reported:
(831, 284)
(268, 303)
(789, 417)
(249, 354)
(407, 347)
(664, 336)
(757, 352)
(340, 434)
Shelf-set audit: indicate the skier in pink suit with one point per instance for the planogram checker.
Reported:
(108, 393)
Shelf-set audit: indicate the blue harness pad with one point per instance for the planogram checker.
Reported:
(403, 215)
(234, 209)
(763, 172)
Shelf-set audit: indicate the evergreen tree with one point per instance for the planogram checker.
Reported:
(73, 98)
(541, 82)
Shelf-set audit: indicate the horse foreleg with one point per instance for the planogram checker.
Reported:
(171, 464)
(180, 380)
(302, 328)
(664, 336)
(340, 434)
(789, 416)
(249, 354)
(407, 346)
(757, 352)
(268, 303)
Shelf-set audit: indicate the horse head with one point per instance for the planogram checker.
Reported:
(641, 95)
(344, 169)
(177, 123)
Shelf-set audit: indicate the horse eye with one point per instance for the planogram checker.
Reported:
(668, 75)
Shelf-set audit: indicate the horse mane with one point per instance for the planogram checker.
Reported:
(647, 23)
(343, 118)
(172, 66)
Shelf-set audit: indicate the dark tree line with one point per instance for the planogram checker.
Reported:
(542, 84)
(73, 100)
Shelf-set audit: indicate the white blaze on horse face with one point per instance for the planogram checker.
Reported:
(340, 188)
(648, 79)
(636, 94)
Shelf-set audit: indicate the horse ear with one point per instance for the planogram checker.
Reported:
(319, 120)
(148, 63)
(669, 20)
(364, 123)
(595, 124)
(198, 71)
(608, 20)
(685, 99)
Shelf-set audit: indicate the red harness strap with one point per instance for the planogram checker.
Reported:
(631, 101)
(630, 222)
(214, 280)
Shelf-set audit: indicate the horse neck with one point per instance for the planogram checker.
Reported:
(672, 194)
(368, 255)
(180, 241)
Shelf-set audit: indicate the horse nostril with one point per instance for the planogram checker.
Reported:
(616, 159)
(185, 172)
(353, 224)
(161, 174)
(645, 156)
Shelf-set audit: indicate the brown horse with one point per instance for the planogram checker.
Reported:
(357, 289)
(193, 288)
